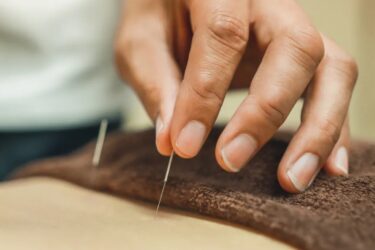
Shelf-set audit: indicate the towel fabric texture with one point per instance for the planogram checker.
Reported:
(335, 213)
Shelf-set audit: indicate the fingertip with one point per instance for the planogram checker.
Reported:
(177, 148)
(338, 162)
(223, 163)
(234, 152)
(285, 182)
(297, 173)
(182, 154)
(162, 140)
(164, 148)
(185, 151)
(188, 141)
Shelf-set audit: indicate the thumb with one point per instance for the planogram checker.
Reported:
(144, 58)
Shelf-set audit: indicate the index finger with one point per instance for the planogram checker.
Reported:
(221, 30)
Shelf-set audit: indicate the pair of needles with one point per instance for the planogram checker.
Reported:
(99, 149)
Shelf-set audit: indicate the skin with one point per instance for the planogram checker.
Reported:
(183, 56)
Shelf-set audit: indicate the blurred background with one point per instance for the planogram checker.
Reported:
(351, 23)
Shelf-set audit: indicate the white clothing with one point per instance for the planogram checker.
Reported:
(56, 63)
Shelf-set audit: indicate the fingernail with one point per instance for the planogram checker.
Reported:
(191, 137)
(304, 171)
(342, 160)
(159, 126)
(238, 152)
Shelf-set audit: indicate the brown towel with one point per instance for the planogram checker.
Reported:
(335, 213)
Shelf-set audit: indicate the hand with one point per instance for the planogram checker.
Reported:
(181, 57)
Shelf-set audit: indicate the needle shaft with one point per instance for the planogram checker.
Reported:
(165, 180)
(100, 142)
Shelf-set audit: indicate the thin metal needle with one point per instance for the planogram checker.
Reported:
(165, 180)
(100, 142)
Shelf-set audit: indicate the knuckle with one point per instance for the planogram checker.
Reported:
(229, 30)
(204, 88)
(129, 47)
(272, 111)
(329, 131)
(117, 48)
(150, 95)
(120, 60)
(130, 41)
(346, 64)
(151, 91)
(122, 47)
(307, 46)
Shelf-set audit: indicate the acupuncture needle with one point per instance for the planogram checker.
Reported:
(100, 142)
(165, 180)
